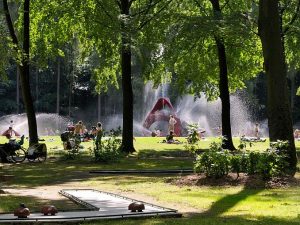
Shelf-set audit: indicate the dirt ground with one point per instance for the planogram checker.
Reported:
(251, 181)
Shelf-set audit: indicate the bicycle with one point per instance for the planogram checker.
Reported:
(37, 151)
(13, 152)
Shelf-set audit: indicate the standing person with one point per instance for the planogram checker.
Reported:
(172, 123)
(99, 135)
(11, 124)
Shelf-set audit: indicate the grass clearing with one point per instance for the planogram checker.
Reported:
(200, 205)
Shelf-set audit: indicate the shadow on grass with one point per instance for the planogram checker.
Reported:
(229, 201)
(148, 153)
(56, 172)
(203, 220)
(10, 202)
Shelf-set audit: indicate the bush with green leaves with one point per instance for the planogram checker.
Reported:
(253, 158)
(214, 163)
(239, 163)
(217, 162)
(109, 149)
(192, 137)
(273, 162)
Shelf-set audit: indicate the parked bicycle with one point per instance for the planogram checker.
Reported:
(13, 151)
(37, 152)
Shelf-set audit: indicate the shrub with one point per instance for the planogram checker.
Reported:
(109, 149)
(238, 163)
(217, 162)
(253, 159)
(272, 163)
(214, 163)
(192, 137)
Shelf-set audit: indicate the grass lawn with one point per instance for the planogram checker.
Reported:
(200, 205)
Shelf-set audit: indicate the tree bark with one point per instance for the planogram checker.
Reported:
(99, 108)
(127, 134)
(58, 87)
(279, 111)
(24, 67)
(18, 91)
(223, 84)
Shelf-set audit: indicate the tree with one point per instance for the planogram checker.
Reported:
(289, 15)
(223, 82)
(210, 51)
(23, 61)
(113, 30)
(279, 114)
(127, 134)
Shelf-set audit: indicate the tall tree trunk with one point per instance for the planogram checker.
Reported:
(71, 91)
(58, 87)
(58, 93)
(99, 108)
(18, 90)
(37, 89)
(279, 112)
(24, 67)
(127, 135)
(25, 73)
(223, 84)
(225, 97)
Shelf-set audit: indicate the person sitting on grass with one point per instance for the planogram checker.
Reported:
(170, 139)
(153, 134)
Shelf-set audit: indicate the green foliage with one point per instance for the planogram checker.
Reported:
(253, 158)
(239, 162)
(192, 137)
(218, 162)
(189, 49)
(94, 27)
(271, 164)
(4, 50)
(214, 163)
(109, 150)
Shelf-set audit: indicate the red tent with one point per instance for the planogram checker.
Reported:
(156, 115)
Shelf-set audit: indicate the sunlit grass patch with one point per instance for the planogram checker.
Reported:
(200, 204)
